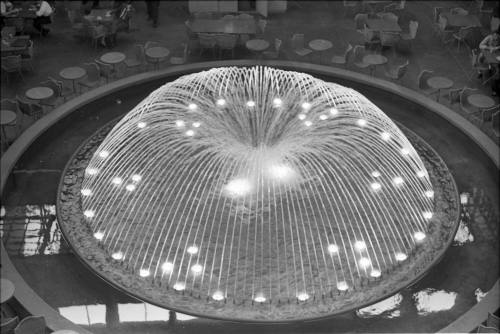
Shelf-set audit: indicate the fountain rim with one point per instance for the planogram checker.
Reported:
(36, 305)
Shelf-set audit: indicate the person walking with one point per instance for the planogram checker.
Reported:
(153, 9)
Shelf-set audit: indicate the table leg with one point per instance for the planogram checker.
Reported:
(438, 95)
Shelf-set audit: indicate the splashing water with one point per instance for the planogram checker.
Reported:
(432, 300)
(286, 186)
(387, 308)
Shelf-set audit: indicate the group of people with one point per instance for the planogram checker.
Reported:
(491, 43)
(43, 14)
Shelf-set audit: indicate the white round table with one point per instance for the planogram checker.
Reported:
(113, 58)
(65, 331)
(320, 45)
(73, 73)
(157, 53)
(439, 83)
(39, 93)
(481, 101)
(7, 289)
(374, 60)
(257, 46)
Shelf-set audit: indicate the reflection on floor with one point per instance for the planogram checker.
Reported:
(387, 308)
(432, 300)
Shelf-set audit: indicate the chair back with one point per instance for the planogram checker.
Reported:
(443, 23)
(389, 38)
(8, 32)
(277, 44)
(360, 21)
(454, 95)
(464, 94)
(207, 40)
(402, 69)
(484, 329)
(486, 115)
(226, 41)
(464, 31)
(31, 325)
(52, 85)
(413, 28)
(493, 320)
(139, 53)
(92, 70)
(423, 77)
(369, 34)
(347, 51)
(437, 13)
(8, 104)
(97, 31)
(359, 53)
(390, 17)
(105, 70)
(150, 44)
(261, 24)
(297, 41)
(474, 57)
(8, 325)
(459, 11)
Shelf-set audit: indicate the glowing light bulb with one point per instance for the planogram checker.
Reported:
(401, 256)
(281, 172)
(398, 180)
(104, 154)
(180, 123)
(429, 193)
(117, 180)
(136, 177)
(99, 235)
(250, 104)
(221, 102)
(144, 273)
(91, 171)
(189, 133)
(197, 268)
(361, 122)
(360, 245)
(167, 267)
(421, 173)
(376, 174)
(342, 286)
(307, 123)
(375, 273)
(385, 136)
(405, 151)
(427, 215)
(260, 299)
(376, 186)
(334, 111)
(301, 117)
(238, 187)
(117, 255)
(306, 106)
(89, 213)
(86, 192)
(218, 296)
(364, 262)
(141, 125)
(130, 187)
(277, 102)
(333, 248)
(419, 236)
(303, 296)
(192, 106)
(192, 250)
(179, 286)
(196, 124)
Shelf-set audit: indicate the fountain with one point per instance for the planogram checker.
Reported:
(257, 194)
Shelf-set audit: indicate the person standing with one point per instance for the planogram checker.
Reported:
(43, 16)
(153, 9)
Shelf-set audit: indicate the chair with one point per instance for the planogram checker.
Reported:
(93, 78)
(454, 95)
(495, 123)
(226, 42)
(493, 320)
(464, 103)
(298, 45)
(444, 29)
(486, 115)
(342, 59)
(461, 35)
(64, 90)
(105, 70)
(359, 53)
(459, 11)
(78, 26)
(12, 64)
(30, 109)
(31, 325)
(9, 325)
(422, 81)
(397, 72)
(360, 21)
(484, 329)
(53, 100)
(176, 60)
(261, 24)
(372, 38)
(11, 105)
(477, 67)
(389, 39)
(138, 59)
(28, 56)
(150, 44)
(412, 32)
(274, 54)
(97, 33)
(207, 42)
(8, 32)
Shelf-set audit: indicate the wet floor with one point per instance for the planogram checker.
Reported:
(32, 238)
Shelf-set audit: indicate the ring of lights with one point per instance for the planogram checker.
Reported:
(312, 301)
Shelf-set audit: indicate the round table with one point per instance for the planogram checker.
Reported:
(157, 53)
(113, 58)
(65, 331)
(7, 290)
(439, 83)
(73, 74)
(257, 46)
(481, 101)
(39, 93)
(320, 45)
(374, 60)
(7, 117)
